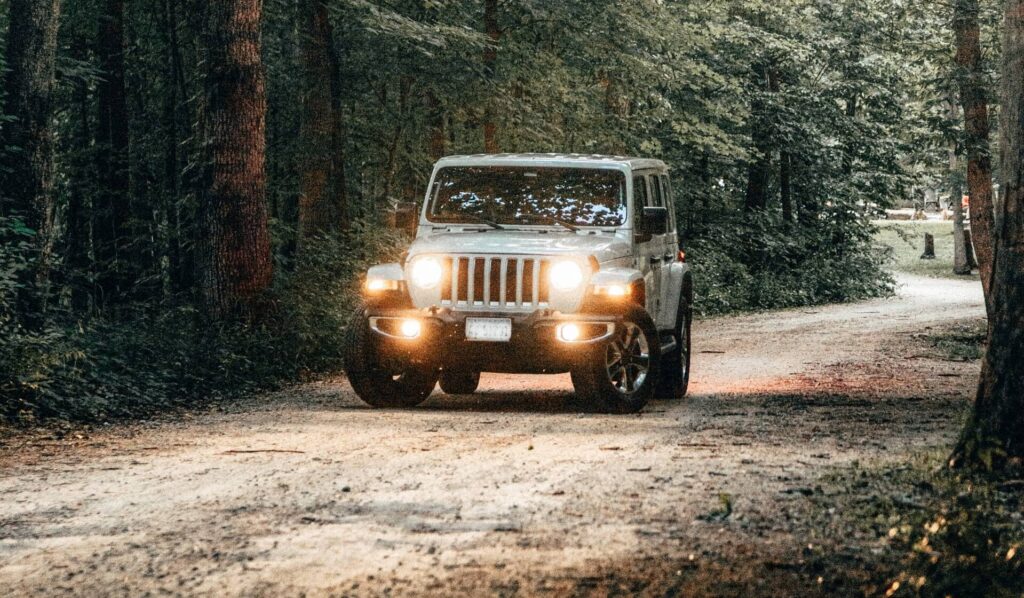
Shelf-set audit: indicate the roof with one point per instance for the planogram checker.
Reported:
(552, 160)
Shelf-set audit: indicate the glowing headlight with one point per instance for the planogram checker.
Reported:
(426, 273)
(566, 276)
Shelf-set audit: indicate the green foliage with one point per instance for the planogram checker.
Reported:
(739, 268)
(154, 359)
(713, 89)
(967, 541)
(931, 531)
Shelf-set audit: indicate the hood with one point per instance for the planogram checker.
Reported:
(522, 242)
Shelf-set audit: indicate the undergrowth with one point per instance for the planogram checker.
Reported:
(936, 532)
(168, 354)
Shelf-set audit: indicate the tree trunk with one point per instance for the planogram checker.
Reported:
(317, 215)
(29, 88)
(111, 207)
(26, 172)
(490, 69)
(339, 188)
(961, 264)
(994, 433)
(974, 100)
(77, 236)
(972, 261)
(759, 170)
(961, 267)
(786, 186)
(929, 247)
(237, 263)
(438, 146)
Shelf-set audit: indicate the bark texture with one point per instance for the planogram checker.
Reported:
(490, 70)
(27, 173)
(994, 433)
(759, 172)
(26, 143)
(237, 268)
(112, 207)
(786, 185)
(438, 146)
(318, 213)
(974, 101)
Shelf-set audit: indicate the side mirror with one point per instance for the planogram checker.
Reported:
(653, 221)
(406, 217)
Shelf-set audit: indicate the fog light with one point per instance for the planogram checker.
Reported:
(411, 328)
(569, 333)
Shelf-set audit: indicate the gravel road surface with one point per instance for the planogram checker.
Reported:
(508, 491)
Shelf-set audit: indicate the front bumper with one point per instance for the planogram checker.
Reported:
(533, 349)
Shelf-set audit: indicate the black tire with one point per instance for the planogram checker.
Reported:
(604, 387)
(379, 386)
(454, 382)
(674, 381)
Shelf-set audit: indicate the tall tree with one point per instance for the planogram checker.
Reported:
(111, 207)
(437, 148)
(758, 173)
(974, 101)
(994, 433)
(26, 143)
(961, 263)
(317, 214)
(493, 32)
(237, 263)
(27, 173)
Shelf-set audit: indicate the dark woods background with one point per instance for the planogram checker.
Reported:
(190, 189)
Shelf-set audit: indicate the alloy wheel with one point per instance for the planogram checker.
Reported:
(628, 359)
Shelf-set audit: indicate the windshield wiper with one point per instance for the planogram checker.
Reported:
(551, 220)
(482, 220)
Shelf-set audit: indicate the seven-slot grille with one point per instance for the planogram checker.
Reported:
(494, 282)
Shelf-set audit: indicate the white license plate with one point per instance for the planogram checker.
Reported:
(490, 330)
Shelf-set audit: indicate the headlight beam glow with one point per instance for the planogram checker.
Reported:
(426, 273)
(566, 275)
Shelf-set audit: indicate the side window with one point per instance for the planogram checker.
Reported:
(656, 193)
(639, 194)
(666, 193)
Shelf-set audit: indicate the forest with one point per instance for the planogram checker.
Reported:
(164, 232)
(192, 193)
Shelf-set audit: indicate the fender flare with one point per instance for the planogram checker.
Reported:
(681, 287)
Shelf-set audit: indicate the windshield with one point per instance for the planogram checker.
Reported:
(529, 195)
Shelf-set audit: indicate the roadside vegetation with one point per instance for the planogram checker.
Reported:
(926, 530)
(138, 272)
(906, 239)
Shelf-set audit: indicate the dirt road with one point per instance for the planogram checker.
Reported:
(506, 491)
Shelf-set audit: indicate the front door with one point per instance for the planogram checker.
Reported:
(649, 251)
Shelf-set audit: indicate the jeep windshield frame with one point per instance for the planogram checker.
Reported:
(523, 195)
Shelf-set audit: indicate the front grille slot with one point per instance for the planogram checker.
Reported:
(494, 282)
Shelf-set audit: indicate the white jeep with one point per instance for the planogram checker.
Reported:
(532, 263)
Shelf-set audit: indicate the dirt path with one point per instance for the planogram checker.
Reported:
(506, 491)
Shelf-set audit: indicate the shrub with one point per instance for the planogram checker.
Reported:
(155, 356)
(755, 263)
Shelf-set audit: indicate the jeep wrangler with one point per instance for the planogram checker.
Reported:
(533, 264)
